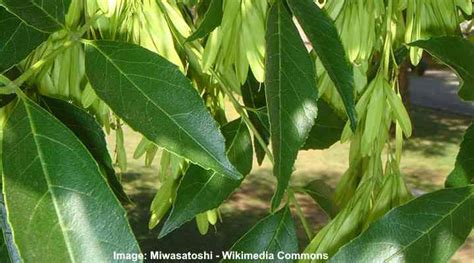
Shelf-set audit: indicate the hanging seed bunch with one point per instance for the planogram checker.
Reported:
(367, 190)
(428, 18)
(358, 23)
(239, 42)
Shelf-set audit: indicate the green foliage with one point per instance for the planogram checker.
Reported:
(17, 39)
(327, 44)
(290, 89)
(201, 190)
(463, 173)
(168, 69)
(273, 234)
(211, 20)
(327, 128)
(89, 132)
(76, 216)
(155, 98)
(45, 16)
(430, 228)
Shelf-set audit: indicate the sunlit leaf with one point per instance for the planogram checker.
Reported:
(326, 42)
(152, 96)
(58, 204)
(291, 93)
(430, 228)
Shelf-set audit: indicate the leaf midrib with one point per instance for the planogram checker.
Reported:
(149, 99)
(427, 232)
(210, 178)
(48, 181)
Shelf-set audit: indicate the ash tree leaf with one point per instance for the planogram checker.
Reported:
(46, 16)
(327, 129)
(202, 190)
(152, 96)
(322, 194)
(89, 132)
(429, 228)
(17, 39)
(458, 54)
(327, 44)
(291, 93)
(275, 233)
(212, 19)
(463, 173)
(253, 95)
(56, 198)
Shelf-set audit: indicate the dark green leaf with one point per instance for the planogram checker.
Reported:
(463, 173)
(85, 127)
(253, 95)
(201, 190)
(430, 228)
(322, 194)
(155, 98)
(211, 20)
(327, 44)
(458, 54)
(275, 233)
(291, 93)
(10, 74)
(58, 204)
(47, 16)
(327, 129)
(17, 39)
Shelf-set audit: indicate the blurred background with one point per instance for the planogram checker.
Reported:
(439, 119)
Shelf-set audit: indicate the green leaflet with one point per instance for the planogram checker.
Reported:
(46, 16)
(322, 194)
(201, 190)
(275, 233)
(463, 173)
(291, 93)
(152, 96)
(89, 132)
(56, 199)
(327, 129)
(253, 96)
(212, 19)
(458, 54)
(17, 39)
(429, 228)
(328, 46)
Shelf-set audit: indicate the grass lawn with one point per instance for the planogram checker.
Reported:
(428, 157)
